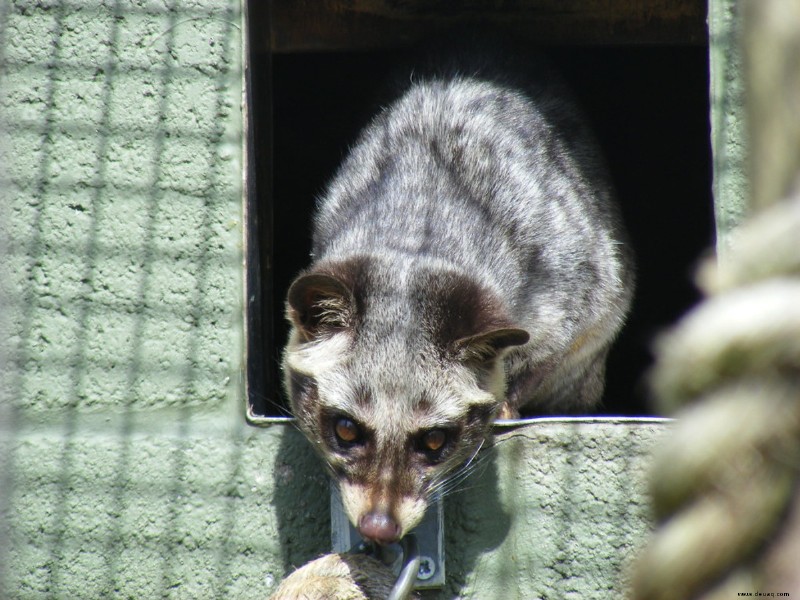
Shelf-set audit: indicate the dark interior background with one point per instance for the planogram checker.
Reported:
(649, 107)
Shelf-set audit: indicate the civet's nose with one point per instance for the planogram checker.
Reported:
(379, 527)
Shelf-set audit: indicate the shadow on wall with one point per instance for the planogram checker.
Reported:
(475, 522)
(302, 501)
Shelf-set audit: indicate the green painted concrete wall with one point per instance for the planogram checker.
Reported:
(729, 130)
(558, 511)
(127, 469)
(121, 223)
(196, 509)
(122, 204)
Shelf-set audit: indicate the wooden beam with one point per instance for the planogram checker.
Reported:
(325, 25)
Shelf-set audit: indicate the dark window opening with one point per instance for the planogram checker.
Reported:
(650, 109)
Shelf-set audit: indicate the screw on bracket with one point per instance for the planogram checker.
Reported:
(427, 568)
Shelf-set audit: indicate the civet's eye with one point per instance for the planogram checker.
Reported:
(347, 431)
(433, 440)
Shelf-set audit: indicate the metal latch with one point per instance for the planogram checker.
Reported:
(429, 537)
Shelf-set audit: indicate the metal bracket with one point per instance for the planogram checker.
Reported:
(429, 534)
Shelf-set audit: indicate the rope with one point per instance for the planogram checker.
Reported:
(725, 485)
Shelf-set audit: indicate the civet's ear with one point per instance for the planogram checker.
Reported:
(319, 304)
(488, 345)
(468, 320)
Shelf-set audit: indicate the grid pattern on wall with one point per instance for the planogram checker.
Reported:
(121, 301)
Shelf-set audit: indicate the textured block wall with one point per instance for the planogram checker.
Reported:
(122, 203)
(121, 221)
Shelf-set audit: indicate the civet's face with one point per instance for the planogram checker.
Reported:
(395, 400)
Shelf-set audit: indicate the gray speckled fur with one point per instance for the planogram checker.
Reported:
(468, 261)
(469, 175)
